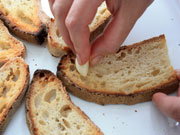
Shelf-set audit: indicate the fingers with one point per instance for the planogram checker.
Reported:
(112, 38)
(60, 11)
(79, 17)
(113, 5)
(169, 105)
(123, 21)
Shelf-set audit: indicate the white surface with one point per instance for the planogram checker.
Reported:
(162, 17)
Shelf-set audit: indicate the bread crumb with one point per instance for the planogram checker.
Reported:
(103, 114)
(135, 110)
(35, 64)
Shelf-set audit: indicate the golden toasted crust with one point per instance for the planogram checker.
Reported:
(35, 32)
(13, 105)
(13, 47)
(105, 98)
(29, 111)
(109, 97)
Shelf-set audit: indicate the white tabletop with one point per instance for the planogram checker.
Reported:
(162, 17)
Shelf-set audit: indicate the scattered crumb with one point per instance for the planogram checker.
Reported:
(103, 114)
(35, 64)
(113, 127)
(135, 110)
(172, 19)
(122, 122)
(179, 44)
(33, 59)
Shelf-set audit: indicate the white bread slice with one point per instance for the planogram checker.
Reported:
(49, 110)
(14, 80)
(9, 46)
(56, 45)
(130, 76)
(25, 19)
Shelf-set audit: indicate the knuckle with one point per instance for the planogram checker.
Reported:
(71, 23)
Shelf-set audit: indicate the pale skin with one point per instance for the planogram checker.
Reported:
(74, 16)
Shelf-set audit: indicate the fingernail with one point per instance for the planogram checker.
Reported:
(95, 60)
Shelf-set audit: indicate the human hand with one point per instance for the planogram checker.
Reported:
(169, 105)
(74, 16)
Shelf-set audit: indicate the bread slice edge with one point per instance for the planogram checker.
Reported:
(117, 98)
(23, 49)
(29, 119)
(18, 101)
(37, 37)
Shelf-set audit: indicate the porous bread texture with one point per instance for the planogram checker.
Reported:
(24, 18)
(9, 46)
(49, 109)
(56, 45)
(14, 79)
(143, 68)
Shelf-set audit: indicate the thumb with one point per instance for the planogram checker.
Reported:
(168, 105)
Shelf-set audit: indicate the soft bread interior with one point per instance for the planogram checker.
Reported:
(136, 68)
(52, 111)
(13, 79)
(23, 13)
(9, 46)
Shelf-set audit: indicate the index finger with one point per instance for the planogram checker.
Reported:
(79, 17)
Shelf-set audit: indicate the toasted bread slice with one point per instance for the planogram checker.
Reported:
(14, 80)
(130, 76)
(9, 46)
(49, 110)
(56, 45)
(25, 19)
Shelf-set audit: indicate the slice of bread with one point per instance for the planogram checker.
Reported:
(49, 110)
(14, 80)
(56, 45)
(25, 19)
(9, 46)
(130, 76)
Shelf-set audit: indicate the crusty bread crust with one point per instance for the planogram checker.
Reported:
(17, 46)
(29, 117)
(15, 104)
(34, 37)
(104, 97)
